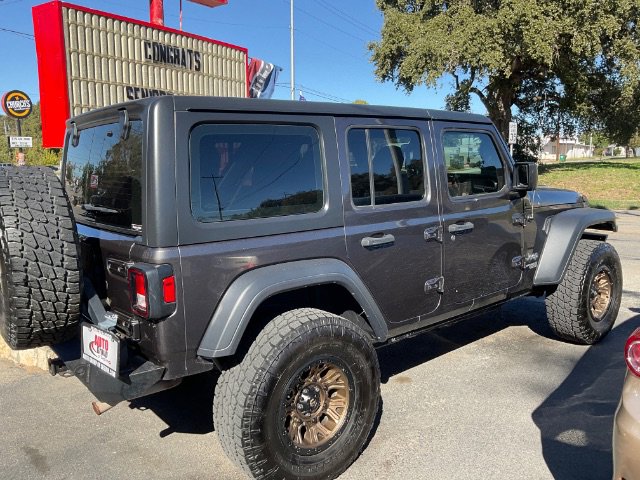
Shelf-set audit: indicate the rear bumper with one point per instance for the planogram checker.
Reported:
(140, 377)
(626, 432)
(136, 377)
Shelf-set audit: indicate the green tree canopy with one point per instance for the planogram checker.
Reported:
(571, 60)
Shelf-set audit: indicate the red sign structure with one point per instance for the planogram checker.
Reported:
(211, 3)
(89, 59)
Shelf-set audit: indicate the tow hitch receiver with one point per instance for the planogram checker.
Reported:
(56, 366)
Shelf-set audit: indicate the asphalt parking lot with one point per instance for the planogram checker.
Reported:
(494, 397)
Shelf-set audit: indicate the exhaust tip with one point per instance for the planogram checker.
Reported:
(100, 407)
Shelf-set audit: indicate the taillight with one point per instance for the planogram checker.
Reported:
(152, 289)
(632, 353)
(169, 289)
(139, 292)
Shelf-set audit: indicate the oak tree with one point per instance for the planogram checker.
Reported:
(578, 57)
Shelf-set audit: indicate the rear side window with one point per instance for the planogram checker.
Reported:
(103, 176)
(245, 171)
(386, 162)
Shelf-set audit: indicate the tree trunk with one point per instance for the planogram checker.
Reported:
(498, 101)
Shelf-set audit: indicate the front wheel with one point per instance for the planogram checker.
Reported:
(585, 305)
(302, 402)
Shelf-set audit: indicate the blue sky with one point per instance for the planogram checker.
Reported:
(331, 37)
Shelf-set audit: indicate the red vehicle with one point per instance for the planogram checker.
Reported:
(626, 426)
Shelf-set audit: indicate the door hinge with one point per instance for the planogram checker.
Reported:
(525, 263)
(433, 233)
(522, 219)
(434, 284)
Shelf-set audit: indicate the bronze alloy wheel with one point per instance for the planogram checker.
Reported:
(600, 294)
(307, 392)
(317, 405)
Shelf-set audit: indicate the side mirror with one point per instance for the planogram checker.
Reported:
(525, 177)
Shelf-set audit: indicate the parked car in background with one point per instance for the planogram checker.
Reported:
(626, 426)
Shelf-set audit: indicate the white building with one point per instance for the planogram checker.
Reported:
(571, 147)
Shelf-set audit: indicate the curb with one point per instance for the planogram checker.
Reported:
(33, 357)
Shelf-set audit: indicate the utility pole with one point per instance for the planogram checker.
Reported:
(20, 161)
(558, 136)
(293, 74)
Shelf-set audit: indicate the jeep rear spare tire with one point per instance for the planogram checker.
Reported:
(39, 270)
(302, 402)
(585, 305)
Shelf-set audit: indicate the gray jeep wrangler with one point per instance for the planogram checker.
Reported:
(281, 243)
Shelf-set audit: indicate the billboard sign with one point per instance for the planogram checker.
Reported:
(89, 59)
(16, 104)
(211, 3)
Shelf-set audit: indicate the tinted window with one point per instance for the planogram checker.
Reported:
(253, 171)
(473, 164)
(391, 160)
(102, 176)
(359, 164)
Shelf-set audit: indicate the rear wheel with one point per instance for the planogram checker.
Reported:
(585, 305)
(302, 402)
(39, 272)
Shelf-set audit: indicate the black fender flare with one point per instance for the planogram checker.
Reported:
(564, 231)
(249, 290)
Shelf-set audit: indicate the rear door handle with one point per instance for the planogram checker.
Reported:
(372, 242)
(460, 227)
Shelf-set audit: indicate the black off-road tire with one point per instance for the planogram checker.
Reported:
(569, 307)
(39, 272)
(249, 403)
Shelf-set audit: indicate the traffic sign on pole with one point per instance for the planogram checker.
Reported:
(513, 133)
(20, 142)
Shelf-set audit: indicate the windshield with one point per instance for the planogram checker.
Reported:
(103, 176)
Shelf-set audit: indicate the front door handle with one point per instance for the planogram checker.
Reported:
(460, 227)
(373, 242)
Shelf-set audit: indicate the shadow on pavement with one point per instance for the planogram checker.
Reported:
(187, 408)
(406, 354)
(576, 420)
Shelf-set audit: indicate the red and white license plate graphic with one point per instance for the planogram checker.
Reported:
(101, 349)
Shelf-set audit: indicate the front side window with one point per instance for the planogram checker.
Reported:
(473, 164)
(387, 162)
(245, 171)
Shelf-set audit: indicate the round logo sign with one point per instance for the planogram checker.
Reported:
(16, 104)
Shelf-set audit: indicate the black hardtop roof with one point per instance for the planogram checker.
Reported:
(194, 103)
(227, 104)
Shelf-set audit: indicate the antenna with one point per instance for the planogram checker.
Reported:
(293, 74)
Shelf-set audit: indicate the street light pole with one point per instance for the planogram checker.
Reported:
(293, 74)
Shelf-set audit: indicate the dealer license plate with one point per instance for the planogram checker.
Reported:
(101, 349)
